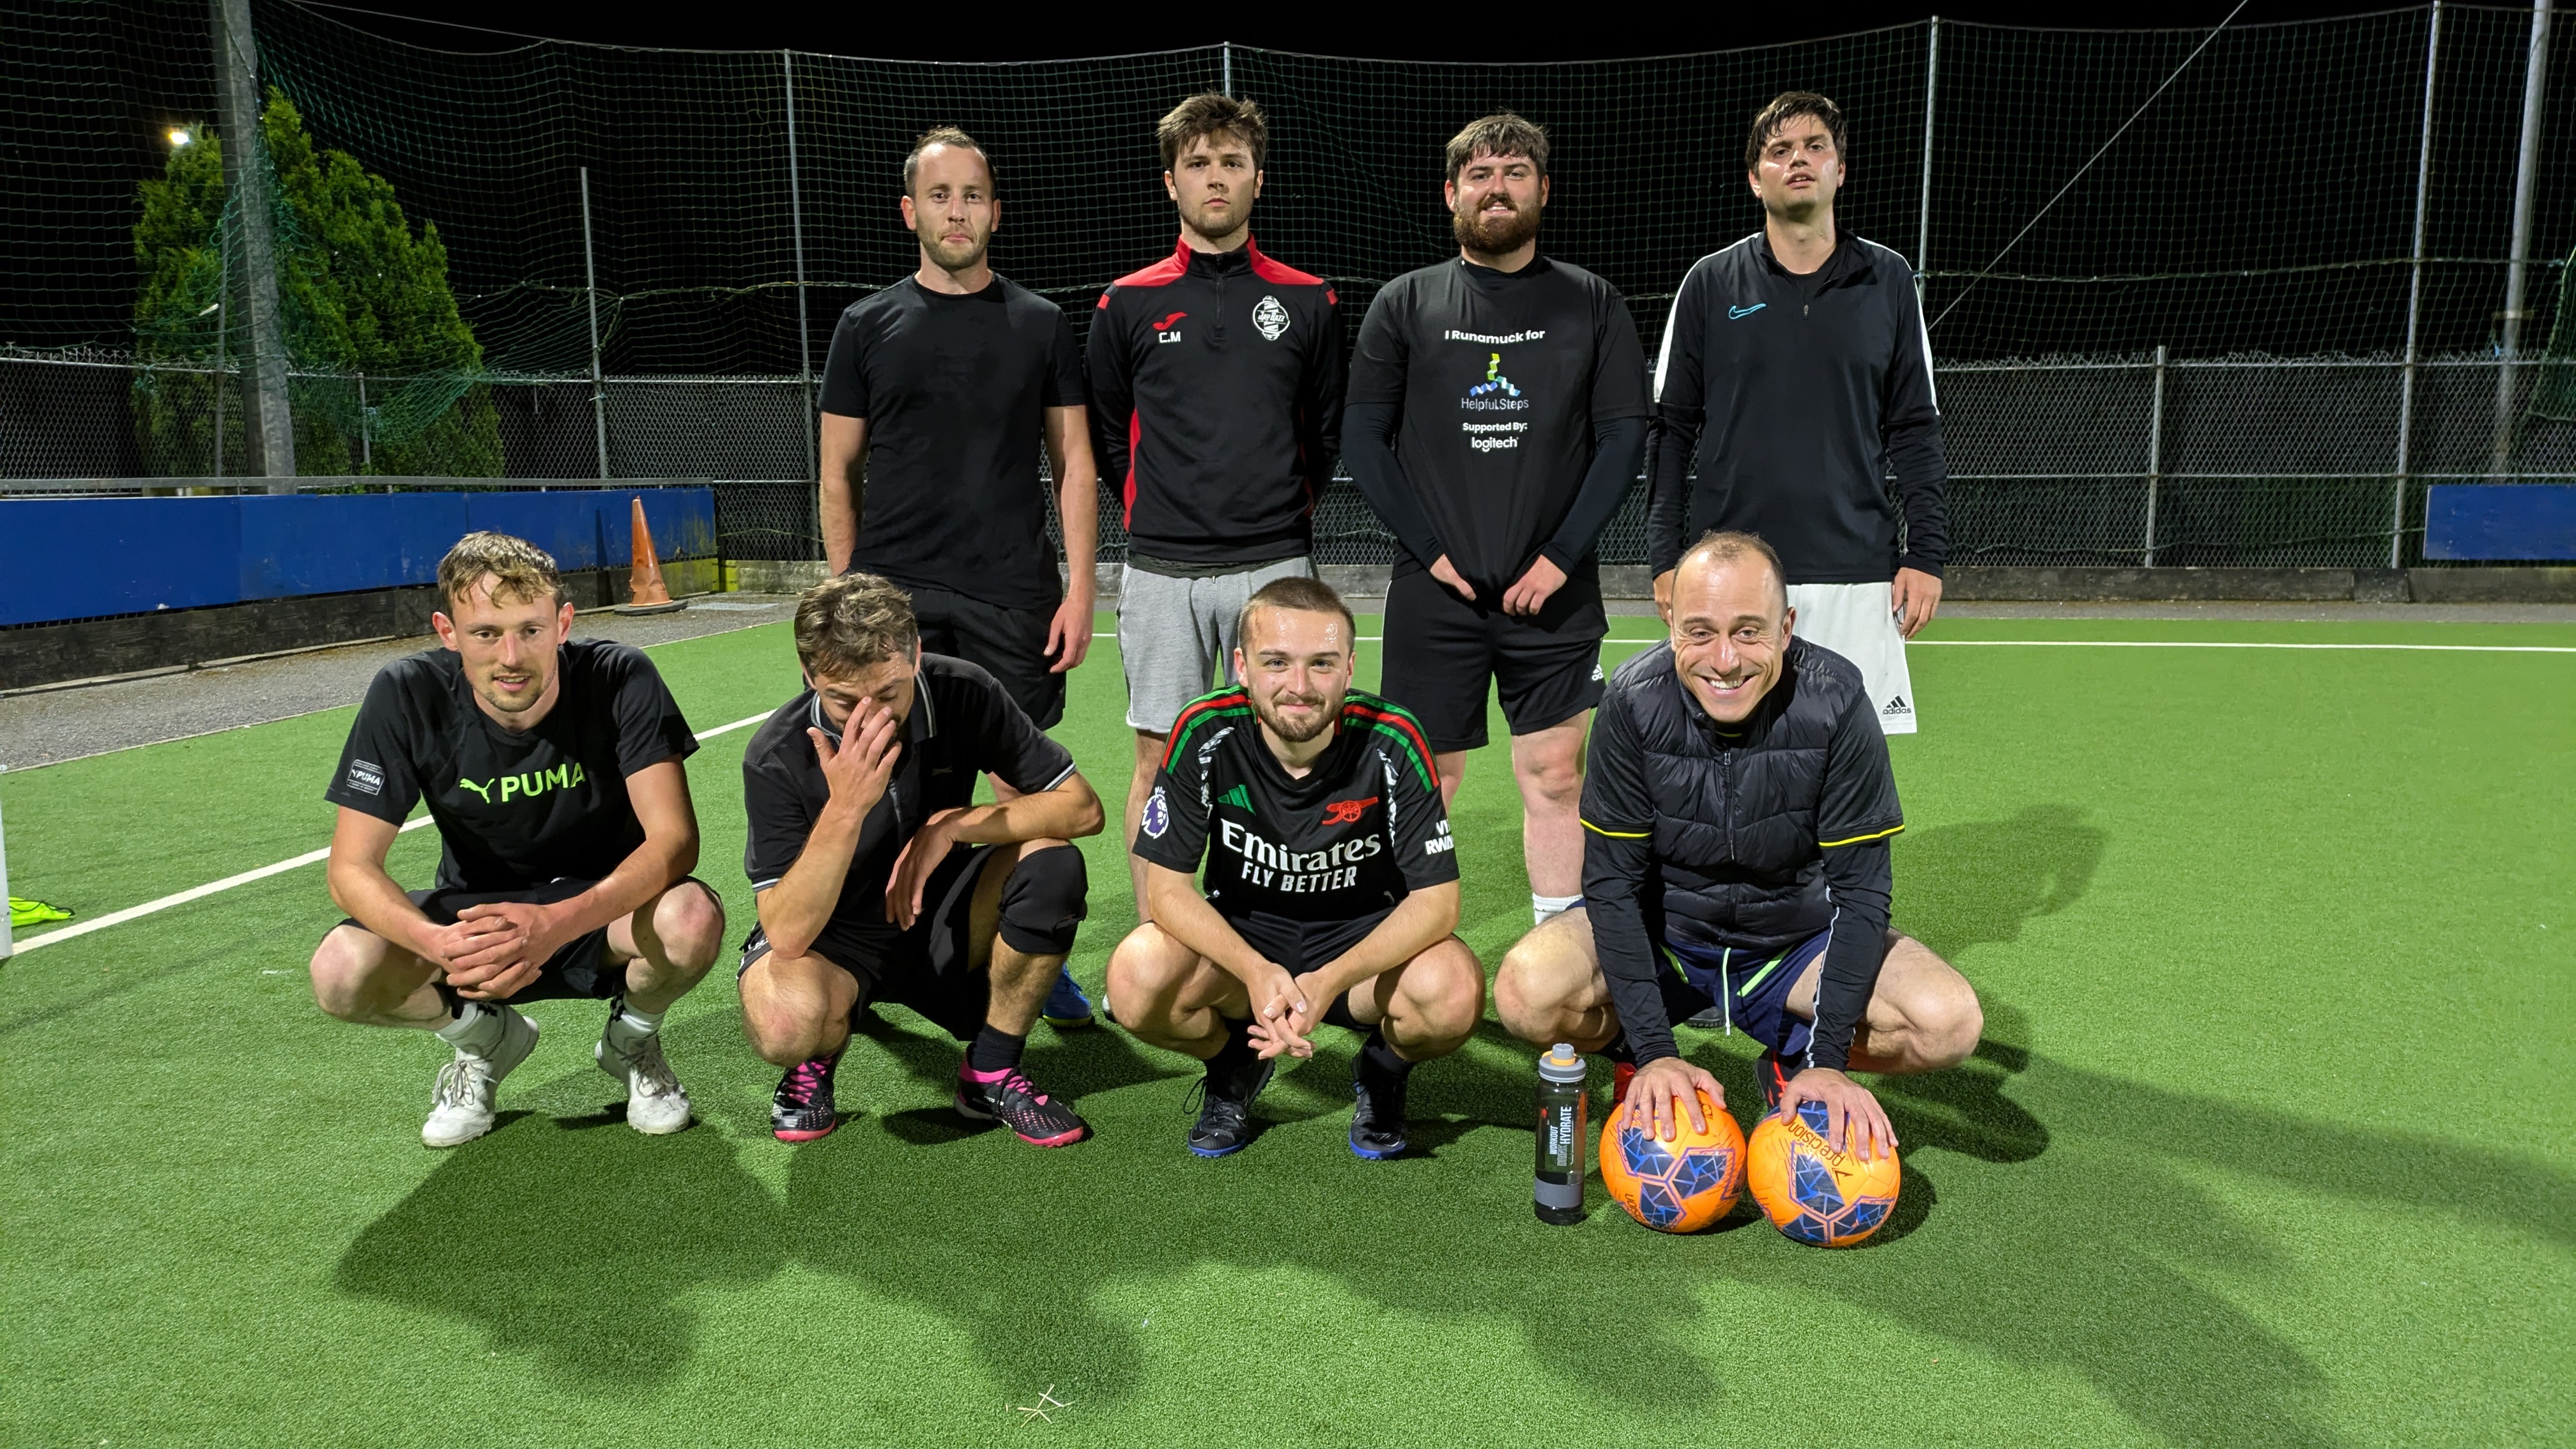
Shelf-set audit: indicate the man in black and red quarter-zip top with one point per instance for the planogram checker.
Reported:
(1216, 376)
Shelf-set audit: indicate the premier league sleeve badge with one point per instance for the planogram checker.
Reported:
(1158, 814)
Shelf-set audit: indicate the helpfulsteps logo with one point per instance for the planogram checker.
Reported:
(501, 789)
(1496, 392)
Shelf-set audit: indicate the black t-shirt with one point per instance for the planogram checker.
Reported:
(515, 810)
(963, 724)
(1363, 829)
(954, 391)
(1501, 377)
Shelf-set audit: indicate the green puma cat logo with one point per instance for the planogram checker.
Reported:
(532, 783)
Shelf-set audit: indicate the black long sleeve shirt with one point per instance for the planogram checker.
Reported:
(1217, 382)
(1477, 413)
(1799, 396)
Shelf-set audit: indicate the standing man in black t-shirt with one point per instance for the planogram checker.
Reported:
(553, 771)
(879, 879)
(937, 395)
(1497, 414)
(1217, 374)
(1332, 882)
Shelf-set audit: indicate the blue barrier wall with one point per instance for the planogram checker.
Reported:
(79, 558)
(2518, 521)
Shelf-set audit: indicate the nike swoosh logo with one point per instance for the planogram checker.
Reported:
(1738, 314)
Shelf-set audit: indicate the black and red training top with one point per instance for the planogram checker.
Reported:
(1216, 383)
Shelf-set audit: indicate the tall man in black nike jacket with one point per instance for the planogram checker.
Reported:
(1216, 378)
(1796, 371)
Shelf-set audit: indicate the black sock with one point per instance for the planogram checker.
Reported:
(1381, 1058)
(1238, 1051)
(995, 1050)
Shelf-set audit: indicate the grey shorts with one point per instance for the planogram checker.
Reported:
(1176, 636)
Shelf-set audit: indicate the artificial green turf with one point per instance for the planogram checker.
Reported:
(2270, 1142)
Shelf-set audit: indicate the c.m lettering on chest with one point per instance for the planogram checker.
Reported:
(527, 784)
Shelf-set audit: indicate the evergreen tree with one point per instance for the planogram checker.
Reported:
(359, 294)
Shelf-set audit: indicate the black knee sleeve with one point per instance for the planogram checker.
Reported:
(1044, 900)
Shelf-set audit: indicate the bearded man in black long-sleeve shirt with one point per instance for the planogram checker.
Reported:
(1737, 815)
(1497, 414)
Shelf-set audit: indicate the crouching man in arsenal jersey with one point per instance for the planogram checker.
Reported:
(1332, 886)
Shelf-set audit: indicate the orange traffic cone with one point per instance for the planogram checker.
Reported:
(644, 581)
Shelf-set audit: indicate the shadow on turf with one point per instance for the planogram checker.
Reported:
(2100, 1250)
(574, 1246)
(1980, 881)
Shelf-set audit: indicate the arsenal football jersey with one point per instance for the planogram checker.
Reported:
(1362, 829)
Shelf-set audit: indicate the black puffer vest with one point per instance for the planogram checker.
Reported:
(1735, 841)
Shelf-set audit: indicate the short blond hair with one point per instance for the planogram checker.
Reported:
(852, 623)
(520, 571)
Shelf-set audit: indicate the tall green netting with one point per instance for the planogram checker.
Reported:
(2222, 344)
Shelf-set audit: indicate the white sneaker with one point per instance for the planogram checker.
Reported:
(460, 1108)
(655, 1102)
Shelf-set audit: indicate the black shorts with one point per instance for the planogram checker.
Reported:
(927, 968)
(1300, 946)
(580, 969)
(1441, 650)
(1008, 644)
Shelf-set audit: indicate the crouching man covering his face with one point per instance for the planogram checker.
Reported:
(879, 880)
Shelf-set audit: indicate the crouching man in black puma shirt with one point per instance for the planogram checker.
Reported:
(553, 768)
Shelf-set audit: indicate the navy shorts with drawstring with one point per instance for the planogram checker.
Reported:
(1753, 988)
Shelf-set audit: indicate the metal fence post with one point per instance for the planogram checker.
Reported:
(272, 425)
(1228, 67)
(796, 228)
(2414, 304)
(223, 296)
(2535, 81)
(2155, 452)
(590, 279)
(1923, 215)
(366, 435)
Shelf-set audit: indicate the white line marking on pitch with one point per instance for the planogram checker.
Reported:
(115, 918)
(194, 893)
(2156, 644)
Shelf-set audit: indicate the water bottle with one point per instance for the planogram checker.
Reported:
(1563, 1108)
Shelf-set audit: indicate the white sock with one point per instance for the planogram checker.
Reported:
(1542, 907)
(637, 1023)
(477, 1029)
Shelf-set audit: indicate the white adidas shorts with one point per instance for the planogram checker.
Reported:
(1858, 622)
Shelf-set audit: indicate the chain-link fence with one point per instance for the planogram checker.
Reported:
(2135, 460)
